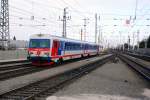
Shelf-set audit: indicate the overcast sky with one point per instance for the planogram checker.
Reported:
(47, 12)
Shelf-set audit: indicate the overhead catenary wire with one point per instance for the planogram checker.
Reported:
(45, 7)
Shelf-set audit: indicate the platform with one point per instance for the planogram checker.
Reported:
(112, 81)
(21, 81)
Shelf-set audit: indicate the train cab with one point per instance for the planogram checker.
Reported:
(47, 49)
(39, 49)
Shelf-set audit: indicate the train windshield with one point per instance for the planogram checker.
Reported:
(39, 43)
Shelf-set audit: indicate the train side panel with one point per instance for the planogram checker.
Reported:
(53, 49)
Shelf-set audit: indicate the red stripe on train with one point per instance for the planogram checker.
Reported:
(39, 49)
(71, 55)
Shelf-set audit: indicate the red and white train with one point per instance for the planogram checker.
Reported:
(45, 49)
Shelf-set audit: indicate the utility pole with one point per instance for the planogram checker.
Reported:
(133, 40)
(136, 6)
(146, 40)
(4, 24)
(81, 34)
(85, 25)
(99, 36)
(123, 43)
(138, 41)
(64, 24)
(100, 31)
(128, 43)
(96, 28)
(120, 39)
(100, 40)
(64, 20)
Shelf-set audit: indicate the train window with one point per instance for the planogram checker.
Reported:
(44, 43)
(62, 45)
(39, 43)
(77, 46)
(33, 44)
(72, 46)
(67, 46)
(83, 46)
(86, 46)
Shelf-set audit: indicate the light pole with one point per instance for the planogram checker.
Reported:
(128, 43)
(146, 40)
(138, 32)
(133, 40)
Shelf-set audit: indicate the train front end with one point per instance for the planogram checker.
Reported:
(39, 49)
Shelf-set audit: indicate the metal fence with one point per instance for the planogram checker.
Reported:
(13, 54)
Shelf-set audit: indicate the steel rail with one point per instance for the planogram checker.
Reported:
(140, 68)
(8, 72)
(34, 90)
(143, 57)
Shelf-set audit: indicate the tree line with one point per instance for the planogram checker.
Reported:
(142, 44)
(145, 42)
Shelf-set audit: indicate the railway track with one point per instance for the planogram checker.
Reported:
(5, 62)
(50, 85)
(18, 71)
(138, 67)
(8, 71)
(143, 57)
(13, 66)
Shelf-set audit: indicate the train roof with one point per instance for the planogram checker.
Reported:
(48, 36)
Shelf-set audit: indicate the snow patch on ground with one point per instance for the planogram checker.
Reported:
(146, 93)
(91, 97)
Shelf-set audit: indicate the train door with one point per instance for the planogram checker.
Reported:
(55, 48)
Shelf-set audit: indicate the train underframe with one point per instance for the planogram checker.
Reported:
(43, 61)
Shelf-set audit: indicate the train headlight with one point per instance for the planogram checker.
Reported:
(47, 54)
(31, 53)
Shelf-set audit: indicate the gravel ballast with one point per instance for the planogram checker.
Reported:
(112, 81)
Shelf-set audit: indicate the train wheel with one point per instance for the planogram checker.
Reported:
(60, 61)
(82, 56)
